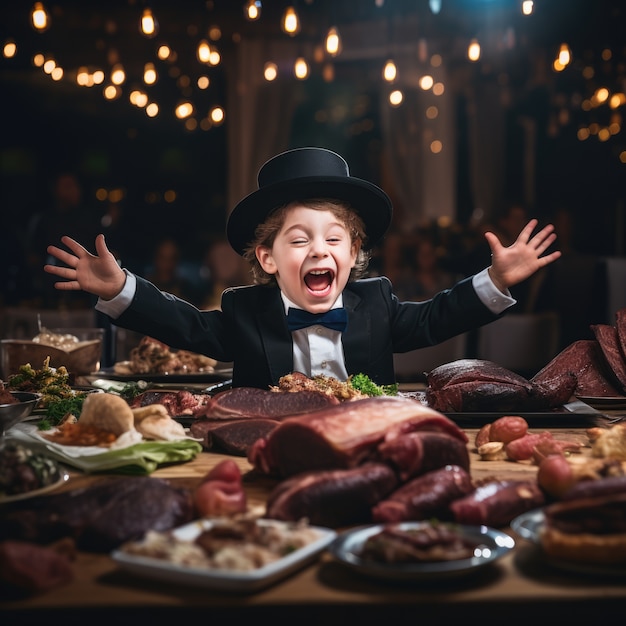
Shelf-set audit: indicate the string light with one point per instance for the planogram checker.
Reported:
(252, 10)
(389, 71)
(301, 68)
(473, 50)
(290, 22)
(39, 17)
(333, 41)
(148, 25)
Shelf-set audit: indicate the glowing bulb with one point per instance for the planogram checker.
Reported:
(183, 110)
(291, 22)
(473, 50)
(149, 74)
(39, 17)
(527, 7)
(389, 72)
(252, 10)
(301, 68)
(333, 42)
(118, 75)
(148, 25)
(10, 49)
(564, 55)
(270, 71)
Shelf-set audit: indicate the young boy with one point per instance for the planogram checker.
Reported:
(307, 231)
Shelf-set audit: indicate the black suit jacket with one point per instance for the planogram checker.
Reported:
(251, 329)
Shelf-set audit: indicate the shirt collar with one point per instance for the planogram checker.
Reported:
(288, 303)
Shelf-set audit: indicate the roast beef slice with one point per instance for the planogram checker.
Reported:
(607, 338)
(262, 403)
(232, 436)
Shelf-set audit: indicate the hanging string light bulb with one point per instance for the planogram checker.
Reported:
(39, 17)
(148, 25)
(252, 10)
(473, 50)
(333, 41)
(290, 22)
(390, 71)
(301, 68)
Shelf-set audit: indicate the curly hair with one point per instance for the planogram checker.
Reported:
(265, 235)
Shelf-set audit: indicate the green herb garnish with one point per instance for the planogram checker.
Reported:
(364, 384)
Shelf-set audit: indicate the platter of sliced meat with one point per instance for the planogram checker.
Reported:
(414, 551)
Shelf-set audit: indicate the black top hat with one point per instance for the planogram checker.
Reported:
(303, 174)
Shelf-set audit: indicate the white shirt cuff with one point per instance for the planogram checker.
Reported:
(490, 295)
(116, 306)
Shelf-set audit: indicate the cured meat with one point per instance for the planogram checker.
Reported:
(231, 436)
(428, 495)
(584, 359)
(471, 370)
(339, 437)
(609, 344)
(479, 385)
(332, 498)
(101, 517)
(176, 402)
(419, 452)
(221, 494)
(253, 402)
(498, 502)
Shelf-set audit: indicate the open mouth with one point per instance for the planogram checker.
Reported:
(319, 280)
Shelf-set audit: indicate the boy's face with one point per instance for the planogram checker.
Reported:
(311, 258)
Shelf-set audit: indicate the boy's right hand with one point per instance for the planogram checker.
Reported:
(99, 274)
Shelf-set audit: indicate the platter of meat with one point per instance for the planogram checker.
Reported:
(218, 374)
(242, 555)
(420, 550)
(530, 525)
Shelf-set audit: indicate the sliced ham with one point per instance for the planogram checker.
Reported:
(339, 437)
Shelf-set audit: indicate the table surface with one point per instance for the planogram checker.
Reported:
(519, 587)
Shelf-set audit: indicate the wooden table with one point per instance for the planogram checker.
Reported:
(519, 589)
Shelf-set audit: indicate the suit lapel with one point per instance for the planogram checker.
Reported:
(357, 337)
(274, 333)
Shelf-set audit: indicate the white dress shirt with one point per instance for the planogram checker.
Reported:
(317, 349)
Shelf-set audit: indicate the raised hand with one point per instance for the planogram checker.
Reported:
(97, 273)
(513, 264)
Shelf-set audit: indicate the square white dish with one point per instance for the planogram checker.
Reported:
(222, 579)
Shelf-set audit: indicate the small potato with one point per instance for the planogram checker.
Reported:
(508, 428)
(482, 436)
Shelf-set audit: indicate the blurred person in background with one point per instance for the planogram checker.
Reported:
(166, 271)
(65, 212)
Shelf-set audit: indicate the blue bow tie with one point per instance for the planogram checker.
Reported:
(336, 319)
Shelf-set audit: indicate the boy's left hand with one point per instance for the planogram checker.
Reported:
(522, 259)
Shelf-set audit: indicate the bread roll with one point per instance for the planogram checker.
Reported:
(161, 428)
(107, 411)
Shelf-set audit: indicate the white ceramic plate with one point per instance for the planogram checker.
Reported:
(529, 525)
(35, 492)
(494, 545)
(246, 581)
